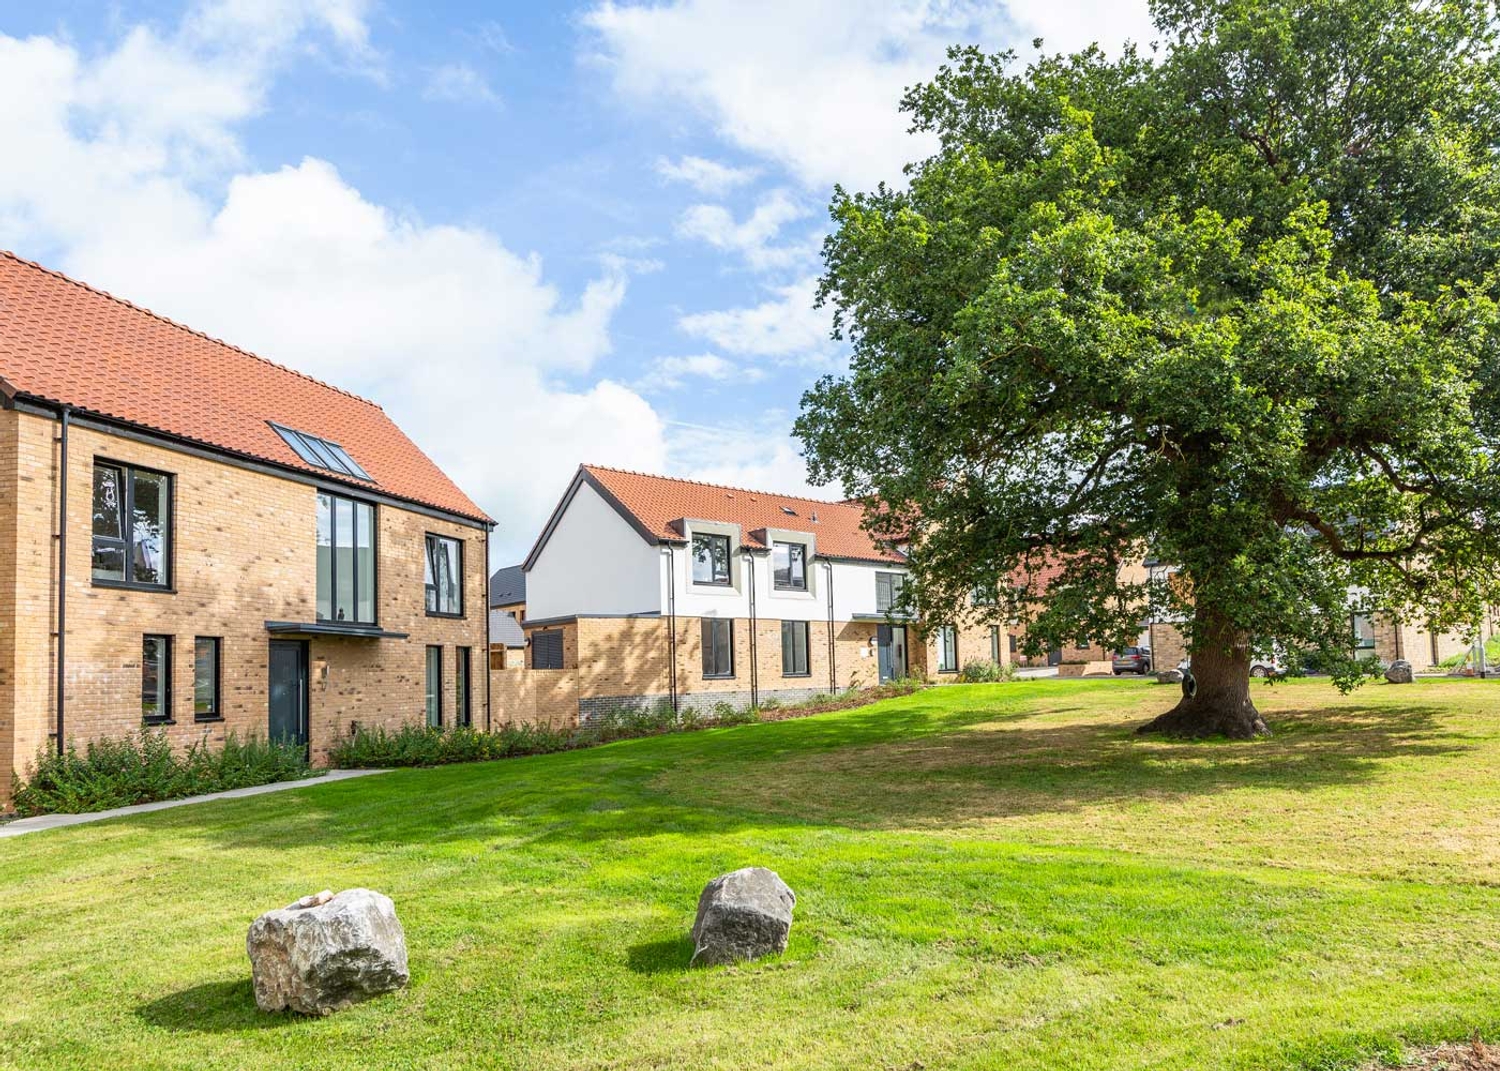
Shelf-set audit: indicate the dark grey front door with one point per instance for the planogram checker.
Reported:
(890, 647)
(288, 691)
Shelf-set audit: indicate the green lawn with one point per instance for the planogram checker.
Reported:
(995, 876)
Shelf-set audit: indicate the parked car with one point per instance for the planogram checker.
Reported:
(1133, 660)
(1259, 667)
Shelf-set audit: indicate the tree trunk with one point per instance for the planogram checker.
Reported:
(1221, 704)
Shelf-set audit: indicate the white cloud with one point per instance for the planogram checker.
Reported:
(814, 87)
(705, 176)
(758, 456)
(672, 373)
(126, 170)
(787, 326)
(751, 238)
(458, 83)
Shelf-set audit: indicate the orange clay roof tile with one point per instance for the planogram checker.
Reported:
(658, 502)
(64, 342)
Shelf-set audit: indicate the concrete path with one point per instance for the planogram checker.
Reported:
(22, 826)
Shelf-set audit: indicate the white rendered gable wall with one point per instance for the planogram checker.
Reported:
(593, 563)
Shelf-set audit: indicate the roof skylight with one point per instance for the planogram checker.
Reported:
(320, 453)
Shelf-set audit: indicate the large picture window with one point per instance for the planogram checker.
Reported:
(435, 687)
(947, 645)
(443, 576)
(156, 679)
(346, 560)
(132, 526)
(711, 559)
(718, 647)
(789, 566)
(794, 649)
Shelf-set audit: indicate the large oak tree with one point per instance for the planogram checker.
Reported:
(1230, 302)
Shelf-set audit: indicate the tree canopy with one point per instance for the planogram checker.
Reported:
(1229, 303)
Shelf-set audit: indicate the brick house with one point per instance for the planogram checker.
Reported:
(195, 538)
(647, 588)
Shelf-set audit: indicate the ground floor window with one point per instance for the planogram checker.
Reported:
(206, 679)
(947, 649)
(718, 647)
(794, 649)
(435, 687)
(461, 707)
(1364, 633)
(995, 644)
(156, 679)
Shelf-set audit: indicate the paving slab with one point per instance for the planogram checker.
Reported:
(22, 826)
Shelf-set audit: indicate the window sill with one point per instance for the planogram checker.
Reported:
(449, 617)
(718, 676)
(948, 671)
(207, 719)
(125, 585)
(778, 589)
(153, 723)
(795, 676)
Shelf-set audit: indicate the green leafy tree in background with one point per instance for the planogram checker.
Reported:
(1232, 304)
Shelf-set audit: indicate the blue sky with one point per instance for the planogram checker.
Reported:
(537, 234)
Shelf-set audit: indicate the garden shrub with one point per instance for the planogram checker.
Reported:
(985, 671)
(421, 745)
(144, 767)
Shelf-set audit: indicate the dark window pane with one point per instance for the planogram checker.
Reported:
(364, 563)
(294, 440)
(788, 564)
(325, 557)
(205, 677)
(149, 528)
(352, 466)
(461, 686)
(343, 560)
(109, 561)
(435, 686)
(156, 678)
(718, 647)
(107, 505)
(442, 575)
(794, 648)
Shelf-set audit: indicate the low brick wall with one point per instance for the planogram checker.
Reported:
(541, 697)
(1086, 669)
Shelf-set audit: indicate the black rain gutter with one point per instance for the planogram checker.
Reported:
(62, 576)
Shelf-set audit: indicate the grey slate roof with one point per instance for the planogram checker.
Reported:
(506, 630)
(507, 586)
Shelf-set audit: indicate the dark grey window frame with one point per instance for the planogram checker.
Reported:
(127, 512)
(433, 694)
(894, 582)
(948, 630)
(463, 687)
(334, 497)
(790, 628)
(728, 566)
(321, 453)
(163, 680)
(217, 713)
(427, 542)
(547, 635)
(712, 648)
(801, 552)
(995, 644)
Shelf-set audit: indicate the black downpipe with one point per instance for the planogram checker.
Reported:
(672, 625)
(833, 669)
(754, 661)
(62, 579)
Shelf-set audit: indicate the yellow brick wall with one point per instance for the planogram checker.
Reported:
(245, 554)
(973, 645)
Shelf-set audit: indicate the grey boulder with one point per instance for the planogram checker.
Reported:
(743, 915)
(326, 952)
(1169, 676)
(1399, 672)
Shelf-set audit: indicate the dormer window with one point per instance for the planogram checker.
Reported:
(711, 559)
(789, 566)
(322, 454)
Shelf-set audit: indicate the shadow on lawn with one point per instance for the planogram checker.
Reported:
(898, 763)
(211, 1008)
(670, 955)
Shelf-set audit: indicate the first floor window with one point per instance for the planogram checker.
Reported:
(995, 644)
(789, 566)
(718, 647)
(156, 678)
(443, 576)
(1364, 633)
(947, 645)
(346, 560)
(461, 708)
(132, 525)
(206, 678)
(888, 591)
(711, 559)
(435, 687)
(794, 649)
(547, 649)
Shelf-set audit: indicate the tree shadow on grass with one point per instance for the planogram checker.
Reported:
(907, 761)
(212, 1008)
(669, 955)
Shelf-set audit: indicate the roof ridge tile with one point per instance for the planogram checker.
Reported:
(720, 486)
